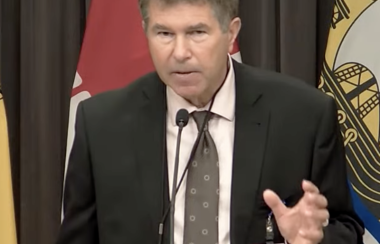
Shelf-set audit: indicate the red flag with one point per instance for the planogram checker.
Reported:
(114, 53)
(236, 53)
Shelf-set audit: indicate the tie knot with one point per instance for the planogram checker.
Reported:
(199, 117)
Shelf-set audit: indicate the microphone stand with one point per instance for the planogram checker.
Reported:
(175, 176)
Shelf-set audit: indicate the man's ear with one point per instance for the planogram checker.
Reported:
(233, 31)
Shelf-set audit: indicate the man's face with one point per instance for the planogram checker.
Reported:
(189, 48)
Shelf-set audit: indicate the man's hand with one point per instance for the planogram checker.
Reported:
(302, 224)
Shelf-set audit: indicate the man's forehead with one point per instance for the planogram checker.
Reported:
(188, 12)
(171, 3)
(158, 5)
(182, 15)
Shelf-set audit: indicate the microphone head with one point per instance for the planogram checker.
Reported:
(182, 117)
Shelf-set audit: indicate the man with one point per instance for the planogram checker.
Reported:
(269, 165)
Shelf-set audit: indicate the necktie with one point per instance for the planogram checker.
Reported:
(202, 190)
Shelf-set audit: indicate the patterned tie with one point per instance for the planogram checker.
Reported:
(202, 190)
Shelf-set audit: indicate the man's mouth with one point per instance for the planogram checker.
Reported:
(183, 72)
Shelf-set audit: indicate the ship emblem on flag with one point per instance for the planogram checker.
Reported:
(351, 75)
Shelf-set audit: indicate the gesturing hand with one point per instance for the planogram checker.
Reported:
(302, 224)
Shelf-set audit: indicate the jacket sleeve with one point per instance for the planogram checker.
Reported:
(80, 224)
(329, 173)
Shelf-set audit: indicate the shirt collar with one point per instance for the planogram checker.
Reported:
(224, 104)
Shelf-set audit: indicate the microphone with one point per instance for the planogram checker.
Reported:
(182, 118)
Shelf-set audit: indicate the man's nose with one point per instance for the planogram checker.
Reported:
(181, 50)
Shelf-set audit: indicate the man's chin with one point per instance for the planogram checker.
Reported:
(191, 98)
(187, 92)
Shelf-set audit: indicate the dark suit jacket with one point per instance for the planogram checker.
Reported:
(286, 131)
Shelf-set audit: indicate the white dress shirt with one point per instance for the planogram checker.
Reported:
(221, 128)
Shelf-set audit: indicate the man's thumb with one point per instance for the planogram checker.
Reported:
(274, 202)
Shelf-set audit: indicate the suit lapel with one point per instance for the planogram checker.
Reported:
(251, 125)
(151, 150)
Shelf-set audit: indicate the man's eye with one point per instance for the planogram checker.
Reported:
(164, 33)
(198, 32)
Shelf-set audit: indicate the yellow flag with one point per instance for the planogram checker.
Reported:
(7, 217)
(351, 75)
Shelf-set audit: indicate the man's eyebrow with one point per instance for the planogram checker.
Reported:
(198, 26)
(156, 27)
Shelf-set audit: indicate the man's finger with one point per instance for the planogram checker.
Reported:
(316, 217)
(308, 186)
(317, 200)
(274, 202)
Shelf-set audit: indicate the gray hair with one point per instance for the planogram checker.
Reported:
(224, 10)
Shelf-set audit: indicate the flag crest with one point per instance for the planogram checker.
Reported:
(351, 75)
